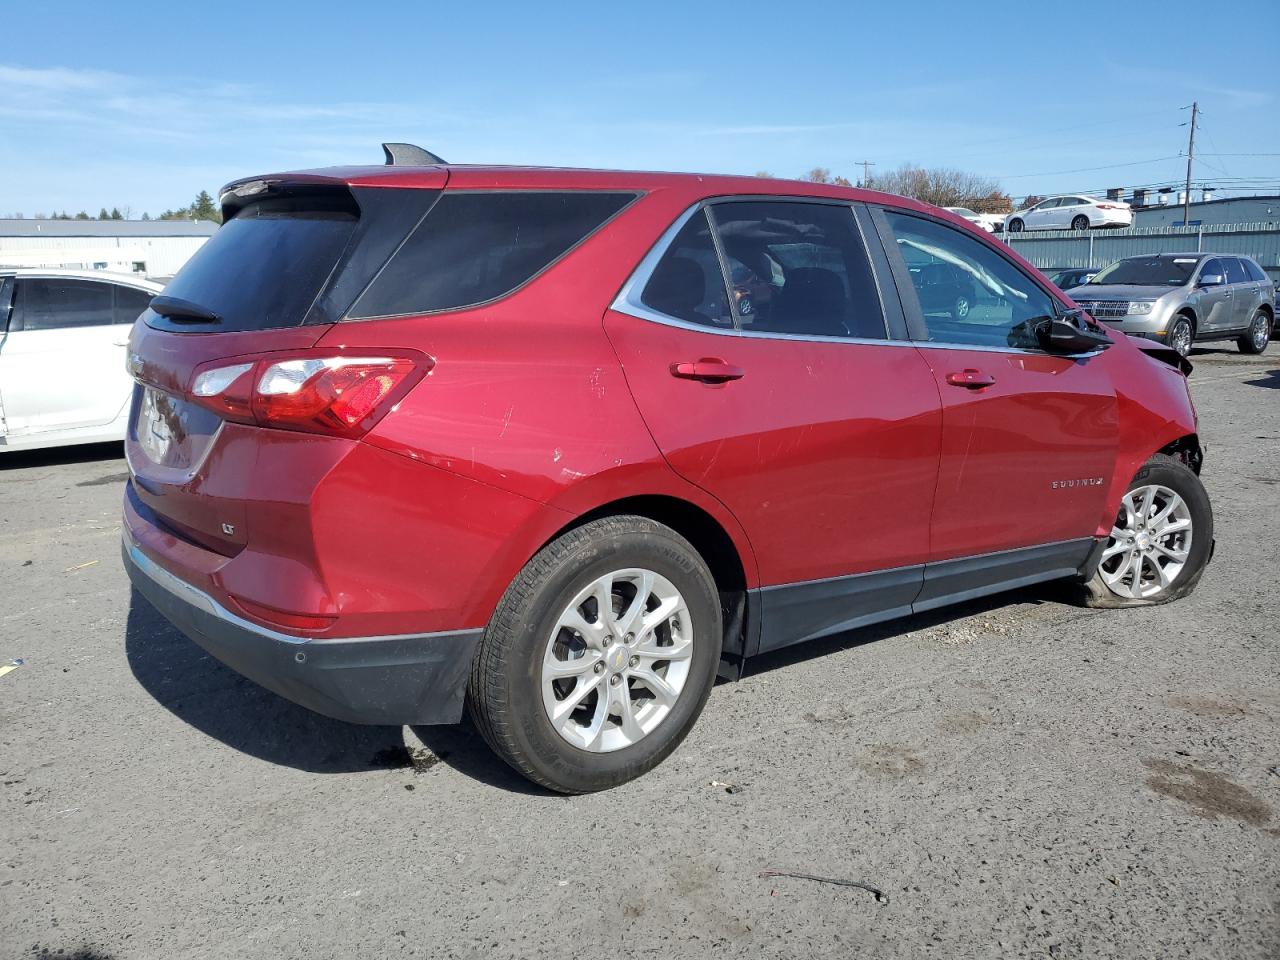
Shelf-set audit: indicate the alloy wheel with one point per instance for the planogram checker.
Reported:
(1080, 223)
(1149, 544)
(617, 660)
(1259, 332)
(961, 308)
(1180, 337)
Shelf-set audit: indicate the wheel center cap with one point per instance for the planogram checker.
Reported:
(1144, 540)
(617, 659)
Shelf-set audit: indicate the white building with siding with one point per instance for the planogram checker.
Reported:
(153, 248)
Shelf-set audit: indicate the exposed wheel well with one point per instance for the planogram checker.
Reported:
(711, 541)
(1188, 450)
(1191, 316)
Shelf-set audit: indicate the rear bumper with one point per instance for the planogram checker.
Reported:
(406, 679)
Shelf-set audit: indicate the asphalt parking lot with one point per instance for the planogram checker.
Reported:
(1020, 777)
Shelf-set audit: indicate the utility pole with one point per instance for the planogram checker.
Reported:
(866, 172)
(1191, 150)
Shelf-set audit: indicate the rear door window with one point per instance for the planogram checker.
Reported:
(687, 284)
(130, 302)
(1252, 269)
(1235, 270)
(473, 248)
(798, 268)
(55, 303)
(266, 265)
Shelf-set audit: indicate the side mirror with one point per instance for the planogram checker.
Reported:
(1212, 280)
(1065, 334)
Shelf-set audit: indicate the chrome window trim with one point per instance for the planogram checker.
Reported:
(628, 299)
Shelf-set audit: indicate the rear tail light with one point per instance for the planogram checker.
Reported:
(340, 395)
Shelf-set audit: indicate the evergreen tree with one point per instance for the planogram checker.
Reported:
(83, 216)
(103, 215)
(116, 214)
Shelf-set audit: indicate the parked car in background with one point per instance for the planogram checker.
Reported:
(1068, 277)
(1184, 298)
(63, 335)
(414, 438)
(1070, 213)
(977, 219)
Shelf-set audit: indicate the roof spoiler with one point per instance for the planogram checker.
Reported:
(409, 155)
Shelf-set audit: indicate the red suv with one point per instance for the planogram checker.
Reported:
(560, 446)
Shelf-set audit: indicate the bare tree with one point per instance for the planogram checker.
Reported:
(823, 175)
(940, 186)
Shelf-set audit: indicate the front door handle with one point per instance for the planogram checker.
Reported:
(971, 379)
(707, 370)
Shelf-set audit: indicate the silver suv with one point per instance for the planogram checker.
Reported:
(1182, 298)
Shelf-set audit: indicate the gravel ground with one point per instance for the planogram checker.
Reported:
(1020, 777)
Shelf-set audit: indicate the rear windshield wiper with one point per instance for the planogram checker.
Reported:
(175, 308)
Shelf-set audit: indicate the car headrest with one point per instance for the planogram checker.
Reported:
(813, 301)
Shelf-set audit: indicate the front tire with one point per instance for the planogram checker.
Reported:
(1181, 335)
(1080, 223)
(1258, 335)
(599, 657)
(1160, 542)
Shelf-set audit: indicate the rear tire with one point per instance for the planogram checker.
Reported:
(1080, 223)
(1258, 335)
(562, 699)
(1169, 536)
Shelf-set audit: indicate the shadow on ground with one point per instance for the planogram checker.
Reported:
(1270, 380)
(57, 456)
(220, 703)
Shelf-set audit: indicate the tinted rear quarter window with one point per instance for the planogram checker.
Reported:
(476, 247)
(266, 265)
(687, 283)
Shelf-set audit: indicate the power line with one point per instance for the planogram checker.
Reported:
(1109, 166)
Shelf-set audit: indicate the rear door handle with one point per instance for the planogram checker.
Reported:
(707, 370)
(971, 379)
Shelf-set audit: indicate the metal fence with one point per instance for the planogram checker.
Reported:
(1097, 248)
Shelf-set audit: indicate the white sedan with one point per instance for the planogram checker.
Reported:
(1070, 213)
(977, 219)
(63, 338)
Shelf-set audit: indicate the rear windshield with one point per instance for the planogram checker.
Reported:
(1148, 271)
(264, 267)
(476, 247)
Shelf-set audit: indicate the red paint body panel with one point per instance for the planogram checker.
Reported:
(825, 459)
(803, 447)
(1042, 436)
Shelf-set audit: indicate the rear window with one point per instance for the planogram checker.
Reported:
(265, 266)
(476, 247)
(1252, 269)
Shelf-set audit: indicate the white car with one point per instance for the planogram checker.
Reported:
(63, 338)
(1070, 213)
(977, 219)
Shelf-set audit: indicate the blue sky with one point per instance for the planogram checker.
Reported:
(145, 104)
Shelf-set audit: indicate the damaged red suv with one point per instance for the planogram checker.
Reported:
(558, 447)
